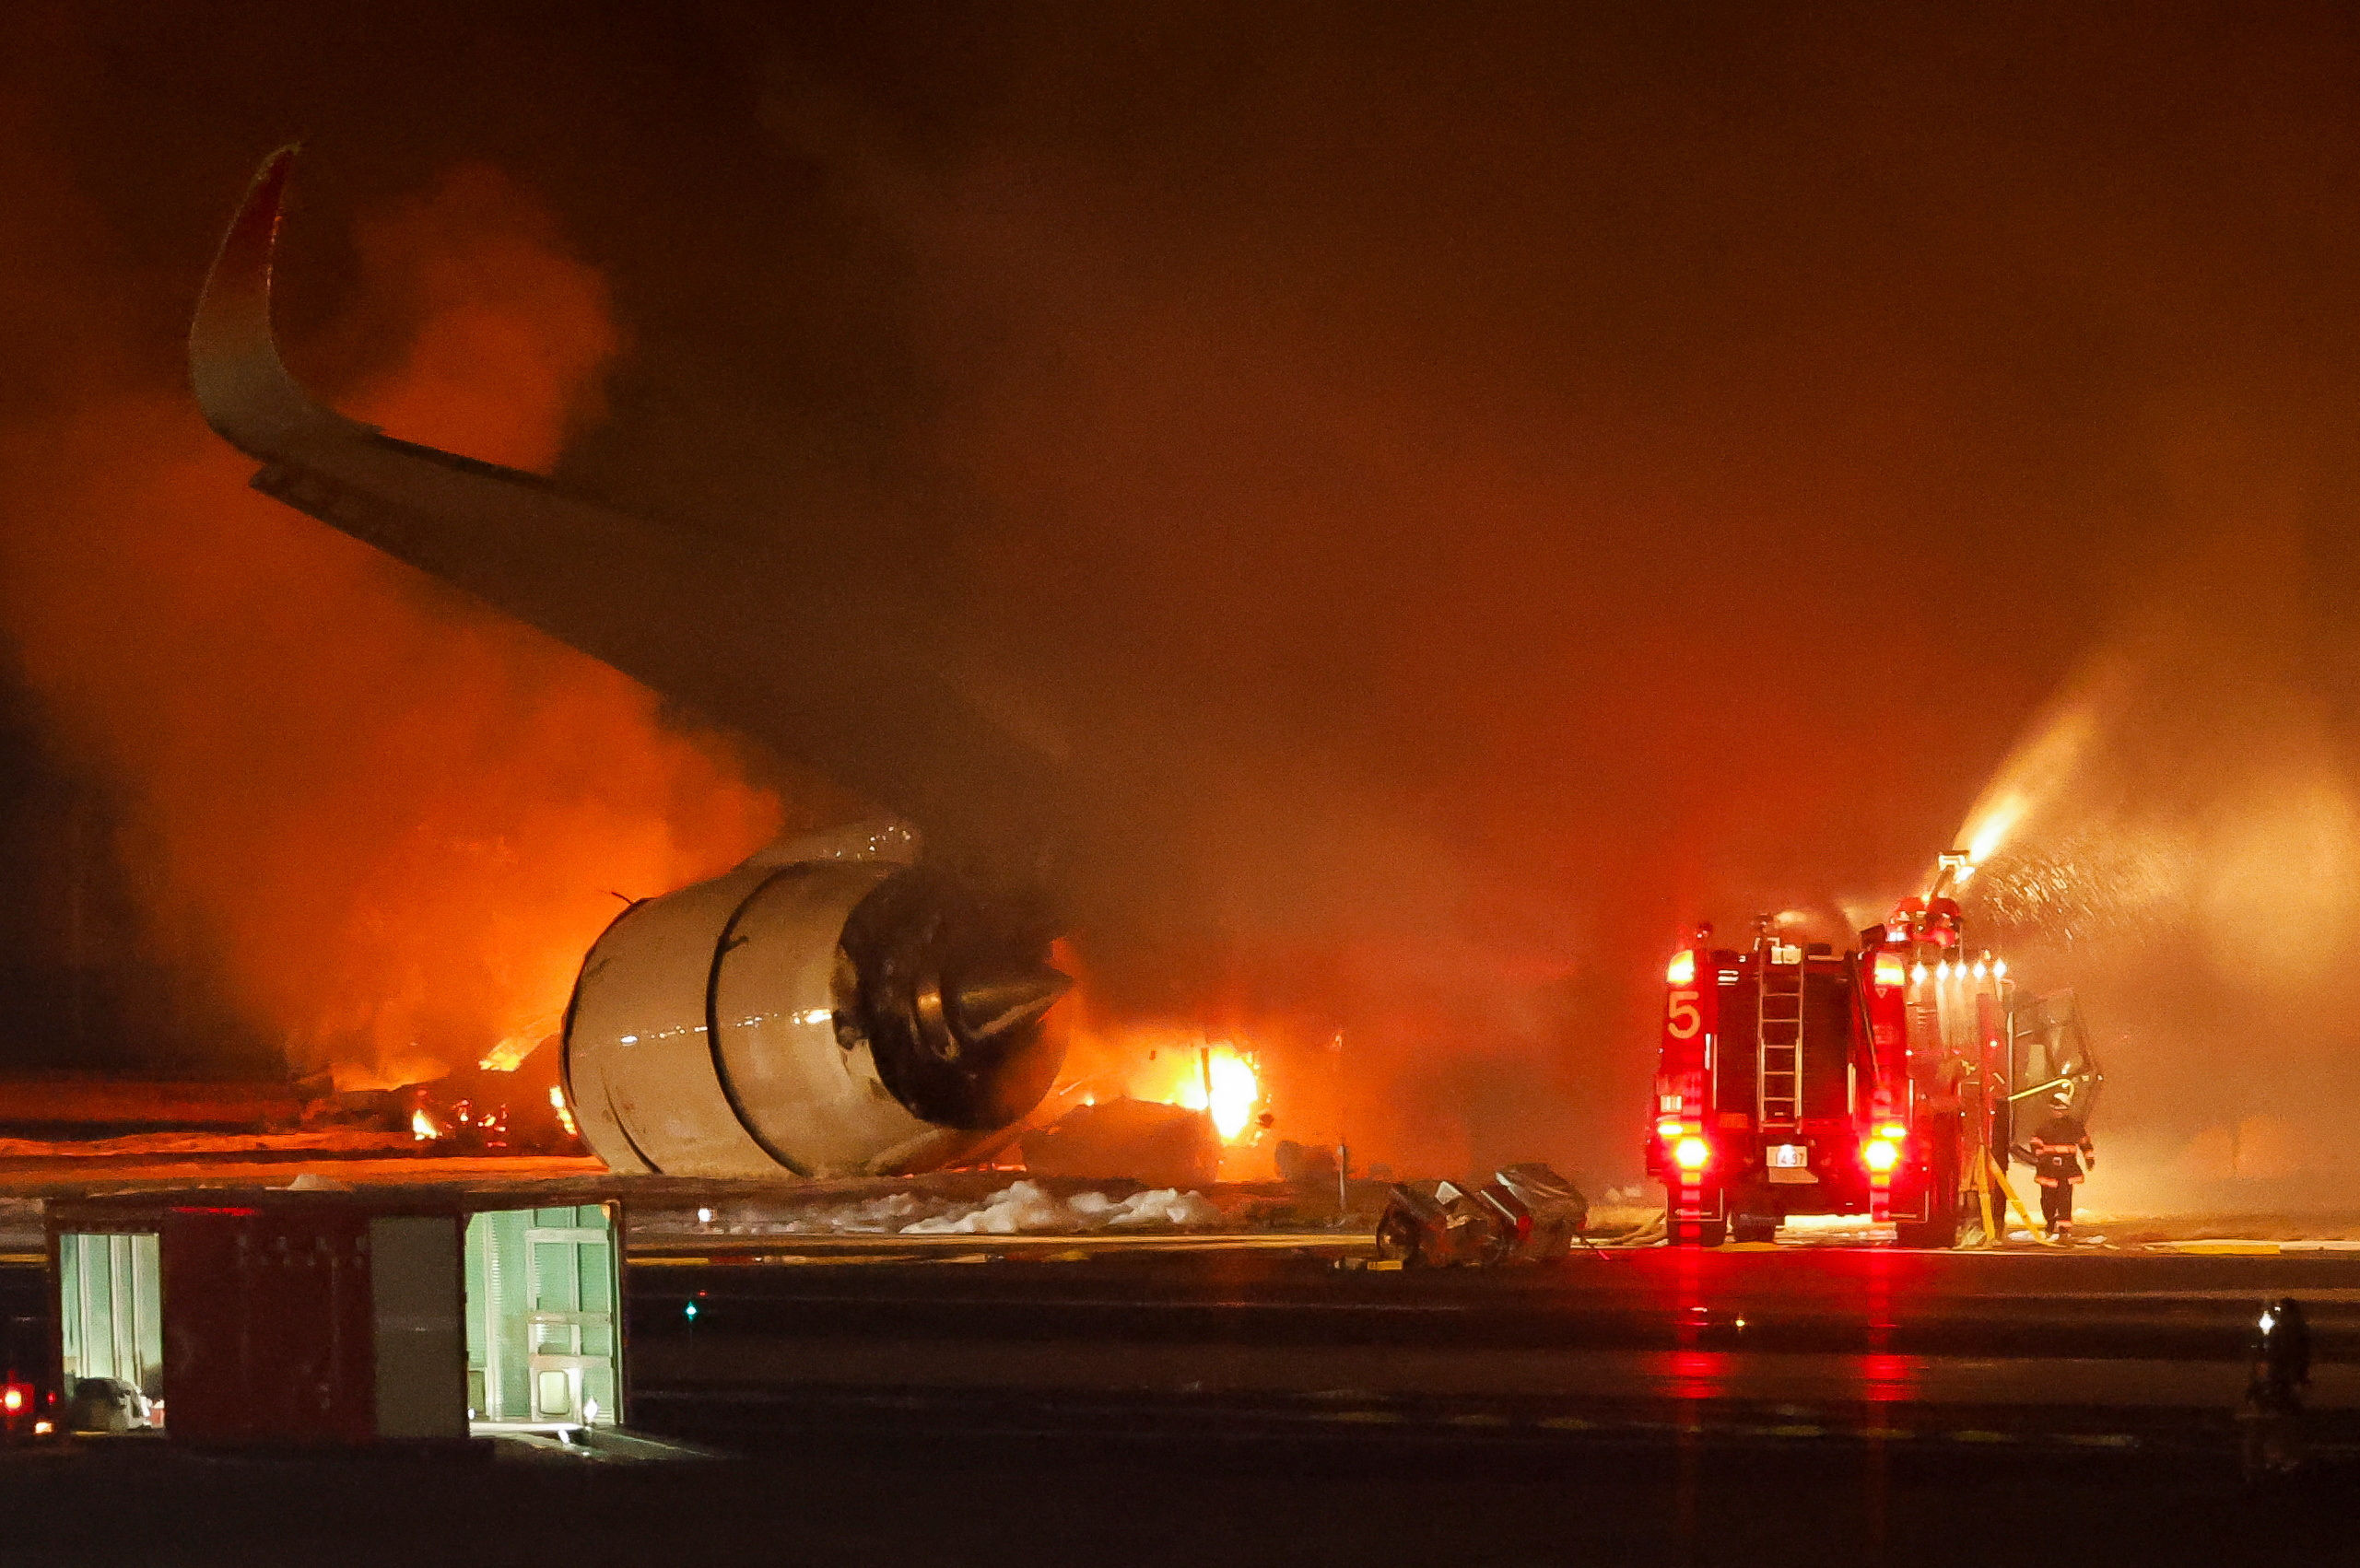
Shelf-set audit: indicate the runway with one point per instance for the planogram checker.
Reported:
(1145, 1405)
(1840, 1338)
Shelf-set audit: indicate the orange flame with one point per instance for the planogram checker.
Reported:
(422, 1128)
(390, 876)
(1221, 1078)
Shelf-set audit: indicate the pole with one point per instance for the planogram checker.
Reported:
(1343, 1149)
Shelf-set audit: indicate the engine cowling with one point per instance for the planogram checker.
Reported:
(824, 1017)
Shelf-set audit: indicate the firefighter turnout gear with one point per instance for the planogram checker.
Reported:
(2061, 1154)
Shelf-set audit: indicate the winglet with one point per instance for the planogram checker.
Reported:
(243, 387)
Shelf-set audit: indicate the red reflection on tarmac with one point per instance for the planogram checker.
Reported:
(1880, 1301)
(1696, 1375)
(1888, 1379)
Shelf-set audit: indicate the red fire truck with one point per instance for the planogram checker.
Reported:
(1877, 1082)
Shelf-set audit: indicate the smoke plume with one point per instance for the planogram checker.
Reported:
(395, 820)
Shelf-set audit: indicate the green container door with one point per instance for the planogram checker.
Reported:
(544, 1329)
(111, 1309)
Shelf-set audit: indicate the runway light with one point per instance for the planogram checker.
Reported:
(1918, 974)
(1683, 969)
(1692, 1153)
(2000, 969)
(1881, 1155)
(689, 1312)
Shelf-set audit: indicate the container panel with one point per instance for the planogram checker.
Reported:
(542, 1335)
(271, 1326)
(415, 1292)
(110, 1312)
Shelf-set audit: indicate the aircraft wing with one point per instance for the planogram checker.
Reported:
(787, 662)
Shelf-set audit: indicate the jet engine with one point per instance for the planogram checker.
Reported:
(819, 1016)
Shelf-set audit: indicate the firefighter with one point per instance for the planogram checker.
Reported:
(2060, 1150)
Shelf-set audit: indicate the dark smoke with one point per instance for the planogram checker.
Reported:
(1503, 481)
(393, 821)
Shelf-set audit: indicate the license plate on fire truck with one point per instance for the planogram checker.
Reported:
(1790, 1161)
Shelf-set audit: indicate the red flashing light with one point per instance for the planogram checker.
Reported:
(1692, 1153)
(15, 1397)
(1683, 968)
(1881, 1156)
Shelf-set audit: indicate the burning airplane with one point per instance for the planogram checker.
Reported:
(838, 1005)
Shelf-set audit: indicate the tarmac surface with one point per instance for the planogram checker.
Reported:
(1123, 1404)
(1854, 1337)
(1186, 1397)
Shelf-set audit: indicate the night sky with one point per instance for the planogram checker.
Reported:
(1504, 481)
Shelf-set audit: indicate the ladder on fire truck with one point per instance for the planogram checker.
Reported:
(1779, 1020)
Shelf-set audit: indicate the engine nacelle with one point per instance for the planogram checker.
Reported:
(826, 1017)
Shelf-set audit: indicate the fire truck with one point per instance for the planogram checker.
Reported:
(1881, 1080)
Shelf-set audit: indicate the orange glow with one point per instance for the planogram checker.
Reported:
(392, 819)
(1692, 1153)
(1682, 970)
(1176, 1073)
(1235, 1093)
(509, 1054)
(1881, 1155)
(422, 1126)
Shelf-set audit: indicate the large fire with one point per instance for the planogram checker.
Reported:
(391, 823)
(1221, 1078)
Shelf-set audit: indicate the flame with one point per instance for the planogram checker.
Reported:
(509, 1054)
(422, 1126)
(564, 1112)
(1235, 1087)
(395, 878)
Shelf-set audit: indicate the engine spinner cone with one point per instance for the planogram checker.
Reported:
(997, 1002)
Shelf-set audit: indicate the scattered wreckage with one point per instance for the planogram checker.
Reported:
(1527, 1213)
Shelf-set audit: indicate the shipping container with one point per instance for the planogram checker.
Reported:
(317, 1317)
